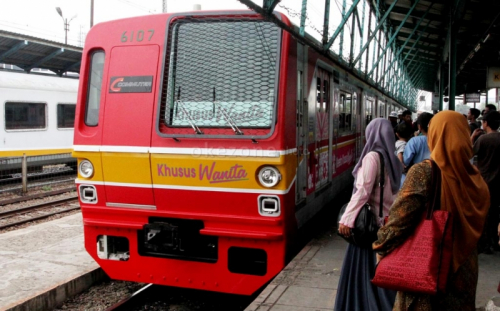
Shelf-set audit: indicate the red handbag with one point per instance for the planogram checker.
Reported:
(421, 264)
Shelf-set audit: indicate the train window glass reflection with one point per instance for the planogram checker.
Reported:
(345, 112)
(24, 116)
(322, 95)
(96, 71)
(381, 109)
(220, 70)
(368, 112)
(65, 115)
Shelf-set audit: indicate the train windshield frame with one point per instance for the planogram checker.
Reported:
(220, 78)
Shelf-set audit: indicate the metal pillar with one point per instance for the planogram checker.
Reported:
(326, 22)
(302, 30)
(344, 20)
(452, 62)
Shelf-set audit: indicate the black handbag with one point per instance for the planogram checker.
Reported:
(366, 226)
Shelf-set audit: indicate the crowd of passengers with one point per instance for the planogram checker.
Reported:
(468, 154)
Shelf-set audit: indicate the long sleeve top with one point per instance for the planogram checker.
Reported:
(367, 183)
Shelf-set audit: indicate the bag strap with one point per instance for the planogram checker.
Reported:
(434, 203)
(381, 183)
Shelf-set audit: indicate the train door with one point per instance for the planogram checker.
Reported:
(323, 103)
(301, 111)
(128, 116)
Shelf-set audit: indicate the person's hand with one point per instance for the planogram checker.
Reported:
(379, 257)
(477, 132)
(344, 230)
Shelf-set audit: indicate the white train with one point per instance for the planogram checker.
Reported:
(38, 119)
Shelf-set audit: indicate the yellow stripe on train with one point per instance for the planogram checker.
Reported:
(182, 170)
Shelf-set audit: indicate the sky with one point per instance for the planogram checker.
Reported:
(39, 18)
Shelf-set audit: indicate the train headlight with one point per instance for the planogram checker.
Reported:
(86, 169)
(269, 176)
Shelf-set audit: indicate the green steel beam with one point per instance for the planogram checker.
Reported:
(302, 30)
(418, 77)
(360, 27)
(269, 5)
(427, 39)
(420, 62)
(361, 33)
(369, 29)
(414, 43)
(351, 52)
(72, 66)
(341, 26)
(341, 43)
(391, 40)
(416, 14)
(326, 22)
(378, 55)
(13, 49)
(380, 24)
(45, 59)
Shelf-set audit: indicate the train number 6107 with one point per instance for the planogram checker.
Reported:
(139, 36)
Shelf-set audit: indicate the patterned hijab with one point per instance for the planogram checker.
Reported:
(463, 191)
(380, 137)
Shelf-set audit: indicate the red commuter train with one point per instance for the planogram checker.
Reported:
(204, 141)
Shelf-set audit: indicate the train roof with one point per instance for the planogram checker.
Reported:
(20, 80)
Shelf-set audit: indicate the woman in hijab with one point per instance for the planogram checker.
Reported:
(463, 193)
(355, 291)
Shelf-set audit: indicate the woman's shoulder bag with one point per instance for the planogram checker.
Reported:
(367, 223)
(421, 264)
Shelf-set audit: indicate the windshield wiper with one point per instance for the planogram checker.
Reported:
(228, 118)
(190, 119)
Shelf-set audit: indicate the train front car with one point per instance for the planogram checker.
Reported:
(186, 149)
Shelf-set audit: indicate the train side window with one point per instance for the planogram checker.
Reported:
(345, 113)
(368, 112)
(96, 72)
(65, 116)
(323, 95)
(25, 116)
(381, 110)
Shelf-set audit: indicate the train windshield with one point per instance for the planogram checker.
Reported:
(221, 77)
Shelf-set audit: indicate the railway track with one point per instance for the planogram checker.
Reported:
(156, 297)
(27, 214)
(37, 196)
(132, 301)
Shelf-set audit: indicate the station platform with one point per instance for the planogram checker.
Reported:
(44, 264)
(309, 281)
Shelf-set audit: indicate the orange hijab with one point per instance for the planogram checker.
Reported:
(464, 193)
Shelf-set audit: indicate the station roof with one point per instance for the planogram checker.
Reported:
(29, 52)
(477, 39)
(420, 35)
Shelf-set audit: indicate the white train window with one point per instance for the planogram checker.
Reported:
(94, 88)
(25, 116)
(65, 115)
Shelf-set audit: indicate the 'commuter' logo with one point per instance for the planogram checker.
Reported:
(131, 84)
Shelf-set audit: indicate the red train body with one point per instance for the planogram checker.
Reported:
(204, 141)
